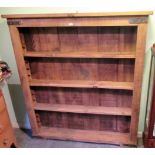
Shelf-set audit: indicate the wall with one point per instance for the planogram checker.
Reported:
(6, 50)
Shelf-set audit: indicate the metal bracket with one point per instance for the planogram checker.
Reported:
(138, 20)
(14, 22)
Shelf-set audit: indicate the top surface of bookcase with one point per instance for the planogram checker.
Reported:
(97, 14)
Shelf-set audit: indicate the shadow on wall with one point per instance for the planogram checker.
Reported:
(19, 105)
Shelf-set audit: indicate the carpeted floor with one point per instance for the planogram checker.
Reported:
(25, 140)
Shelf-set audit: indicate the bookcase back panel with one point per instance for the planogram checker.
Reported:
(84, 121)
(79, 96)
(82, 69)
(74, 39)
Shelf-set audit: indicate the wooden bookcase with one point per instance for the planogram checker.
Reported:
(81, 73)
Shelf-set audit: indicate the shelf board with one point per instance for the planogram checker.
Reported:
(83, 109)
(85, 135)
(82, 84)
(123, 55)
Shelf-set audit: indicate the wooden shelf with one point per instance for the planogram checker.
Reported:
(122, 55)
(82, 84)
(83, 109)
(85, 135)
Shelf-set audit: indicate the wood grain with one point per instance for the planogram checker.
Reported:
(78, 120)
(80, 39)
(79, 96)
(98, 14)
(73, 54)
(23, 75)
(139, 64)
(83, 109)
(82, 84)
(85, 135)
(80, 69)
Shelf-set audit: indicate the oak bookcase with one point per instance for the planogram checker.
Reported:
(81, 73)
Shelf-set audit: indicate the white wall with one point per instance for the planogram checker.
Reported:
(6, 50)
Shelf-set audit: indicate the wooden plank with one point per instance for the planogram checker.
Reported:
(83, 109)
(114, 85)
(87, 39)
(81, 96)
(62, 83)
(67, 39)
(138, 72)
(79, 69)
(23, 76)
(97, 14)
(81, 39)
(74, 22)
(117, 39)
(85, 135)
(82, 84)
(120, 55)
(124, 73)
(108, 41)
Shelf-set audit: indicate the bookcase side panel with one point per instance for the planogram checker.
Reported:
(23, 76)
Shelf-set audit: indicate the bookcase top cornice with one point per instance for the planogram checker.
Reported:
(95, 14)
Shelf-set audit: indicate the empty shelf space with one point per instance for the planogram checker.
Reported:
(80, 54)
(79, 38)
(84, 109)
(82, 84)
(84, 135)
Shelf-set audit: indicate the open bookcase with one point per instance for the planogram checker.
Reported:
(81, 74)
